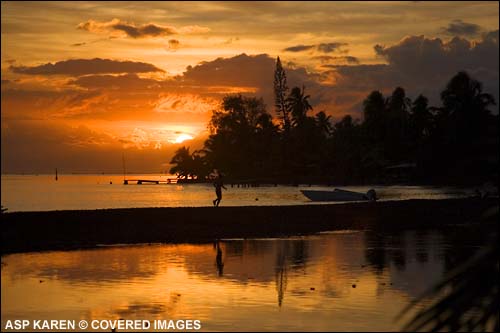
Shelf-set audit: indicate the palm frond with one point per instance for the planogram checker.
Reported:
(465, 300)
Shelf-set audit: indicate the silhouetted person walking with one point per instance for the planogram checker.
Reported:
(219, 185)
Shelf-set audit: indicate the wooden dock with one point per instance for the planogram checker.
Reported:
(149, 181)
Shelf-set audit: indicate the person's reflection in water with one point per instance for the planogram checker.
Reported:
(281, 273)
(218, 259)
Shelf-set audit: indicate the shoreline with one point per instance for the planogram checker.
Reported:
(76, 229)
(265, 182)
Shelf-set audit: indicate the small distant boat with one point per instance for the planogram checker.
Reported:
(340, 195)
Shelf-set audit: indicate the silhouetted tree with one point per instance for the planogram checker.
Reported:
(375, 116)
(183, 163)
(200, 167)
(298, 105)
(397, 138)
(324, 123)
(465, 133)
(461, 137)
(420, 119)
(466, 107)
(344, 151)
(242, 136)
(280, 94)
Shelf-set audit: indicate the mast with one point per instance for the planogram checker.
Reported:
(125, 182)
(56, 174)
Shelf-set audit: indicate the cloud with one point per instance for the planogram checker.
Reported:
(325, 60)
(461, 28)
(253, 75)
(330, 47)
(122, 28)
(322, 47)
(173, 44)
(425, 65)
(430, 56)
(78, 67)
(299, 48)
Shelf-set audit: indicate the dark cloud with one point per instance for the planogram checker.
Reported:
(137, 31)
(425, 65)
(299, 48)
(240, 71)
(254, 72)
(173, 44)
(79, 44)
(364, 78)
(244, 71)
(328, 60)
(461, 28)
(322, 47)
(330, 47)
(430, 56)
(78, 67)
(147, 30)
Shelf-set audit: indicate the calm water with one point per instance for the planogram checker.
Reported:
(262, 284)
(37, 193)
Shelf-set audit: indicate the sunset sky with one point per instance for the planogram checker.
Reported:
(85, 82)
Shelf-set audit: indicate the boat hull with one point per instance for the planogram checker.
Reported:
(335, 195)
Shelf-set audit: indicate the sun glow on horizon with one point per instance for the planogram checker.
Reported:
(183, 137)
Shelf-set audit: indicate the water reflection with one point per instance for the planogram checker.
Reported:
(303, 283)
(218, 259)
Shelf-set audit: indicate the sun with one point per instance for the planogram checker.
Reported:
(183, 137)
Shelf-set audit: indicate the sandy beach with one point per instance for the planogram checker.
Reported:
(37, 231)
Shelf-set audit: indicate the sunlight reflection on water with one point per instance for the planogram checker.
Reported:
(349, 281)
(40, 193)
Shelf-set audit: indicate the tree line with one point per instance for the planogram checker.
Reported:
(397, 140)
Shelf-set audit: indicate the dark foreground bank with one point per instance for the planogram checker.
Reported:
(35, 231)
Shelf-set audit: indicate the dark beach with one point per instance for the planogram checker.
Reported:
(71, 229)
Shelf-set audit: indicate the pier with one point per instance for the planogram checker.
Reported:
(149, 181)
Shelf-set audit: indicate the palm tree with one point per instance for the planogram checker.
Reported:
(323, 122)
(420, 117)
(298, 105)
(465, 95)
(375, 117)
(466, 107)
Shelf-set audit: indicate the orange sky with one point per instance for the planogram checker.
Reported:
(83, 82)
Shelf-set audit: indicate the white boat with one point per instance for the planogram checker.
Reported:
(339, 195)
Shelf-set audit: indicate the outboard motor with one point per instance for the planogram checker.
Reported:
(371, 195)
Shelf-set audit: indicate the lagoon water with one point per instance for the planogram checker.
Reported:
(42, 193)
(290, 284)
(343, 280)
